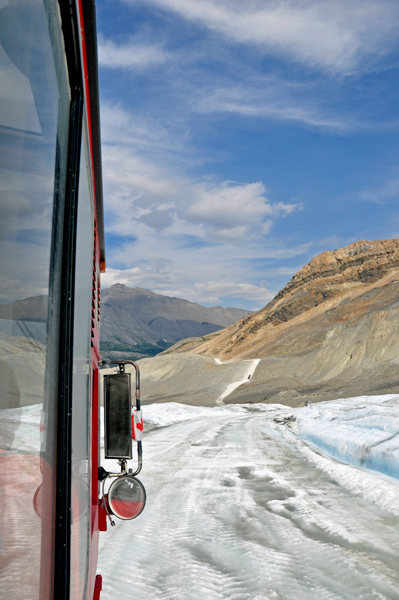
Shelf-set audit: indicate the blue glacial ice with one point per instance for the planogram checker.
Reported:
(361, 431)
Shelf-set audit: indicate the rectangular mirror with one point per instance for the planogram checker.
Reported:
(118, 416)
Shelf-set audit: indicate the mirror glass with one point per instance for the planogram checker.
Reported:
(118, 416)
(126, 497)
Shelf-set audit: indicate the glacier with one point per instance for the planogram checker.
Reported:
(261, 502)
(256, 502)
(362, 431)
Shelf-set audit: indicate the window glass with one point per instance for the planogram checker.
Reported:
(30, 133)
(81, 386)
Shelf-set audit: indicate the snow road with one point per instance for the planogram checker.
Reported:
(242, 504)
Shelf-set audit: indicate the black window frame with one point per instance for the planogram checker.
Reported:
(64, 260)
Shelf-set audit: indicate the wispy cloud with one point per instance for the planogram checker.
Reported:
(190, 87)
(144, 191)
(337, 35)
(215, 78)
(209, 292)
(178, 234)
(131, 55)
(277, 101)
(213, 291)
(386, 192)
(129, 170)
(189, 220)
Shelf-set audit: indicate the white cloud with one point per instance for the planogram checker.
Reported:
(277, 101)
(146, 189)
(126, 168)
(231, 209)
(214, 291)
(183, 230)
(120, 126)
(210, 291)
(336, 35)
(206, 274)
(129, 277)
(130, 55)
(176, 232)
(139, 191)
(190, 92)
(230, 205)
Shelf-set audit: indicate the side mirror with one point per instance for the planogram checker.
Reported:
(118, 416)
(126, 496)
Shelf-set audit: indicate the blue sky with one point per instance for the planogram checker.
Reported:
(240, 139)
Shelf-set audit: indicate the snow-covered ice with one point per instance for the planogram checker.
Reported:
(256, 502)
(263, 502)
(362, 431)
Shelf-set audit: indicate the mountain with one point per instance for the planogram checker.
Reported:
(133, 320)
(333, 330)
(139, 320)
(33, 308)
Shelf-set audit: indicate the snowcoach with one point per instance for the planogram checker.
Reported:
(51, 255)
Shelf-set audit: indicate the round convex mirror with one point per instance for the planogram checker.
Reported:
(126, 497)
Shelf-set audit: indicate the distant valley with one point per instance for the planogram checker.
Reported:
(136, 322)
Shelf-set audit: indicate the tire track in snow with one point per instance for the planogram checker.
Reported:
(247, 377)
(235, 512)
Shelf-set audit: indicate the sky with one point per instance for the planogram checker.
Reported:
(241, 139)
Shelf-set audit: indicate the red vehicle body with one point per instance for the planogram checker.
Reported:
(51, 255)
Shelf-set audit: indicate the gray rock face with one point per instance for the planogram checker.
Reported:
(332, 332)
(135, 316)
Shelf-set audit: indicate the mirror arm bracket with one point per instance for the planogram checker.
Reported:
(123, 464)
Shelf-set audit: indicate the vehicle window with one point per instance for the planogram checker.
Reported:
(33, 128)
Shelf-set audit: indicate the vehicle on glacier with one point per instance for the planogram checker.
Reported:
(51, 254)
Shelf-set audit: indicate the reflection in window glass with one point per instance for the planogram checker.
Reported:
(29, 102)
(81, 387)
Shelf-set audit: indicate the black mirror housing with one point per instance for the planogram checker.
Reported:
(118, 416)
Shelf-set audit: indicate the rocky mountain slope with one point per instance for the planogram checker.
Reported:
(136, 319)
(333, 330)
